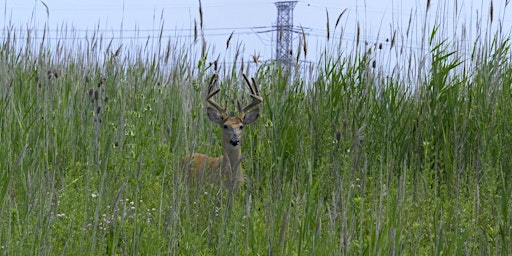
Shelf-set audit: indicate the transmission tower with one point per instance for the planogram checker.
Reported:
(284, 29)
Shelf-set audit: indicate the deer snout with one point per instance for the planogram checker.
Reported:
(234, 141)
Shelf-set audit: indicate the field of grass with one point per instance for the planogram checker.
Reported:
(351, 161)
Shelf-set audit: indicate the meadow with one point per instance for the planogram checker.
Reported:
(346, 159)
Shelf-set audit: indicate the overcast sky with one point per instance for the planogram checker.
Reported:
(251, 20)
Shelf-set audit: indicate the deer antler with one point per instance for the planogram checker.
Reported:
(212, 91)
(255, 95)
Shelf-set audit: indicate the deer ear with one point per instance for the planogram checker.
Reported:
(215, 116)
(252, 116)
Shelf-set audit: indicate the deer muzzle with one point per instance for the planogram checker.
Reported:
(234, 141)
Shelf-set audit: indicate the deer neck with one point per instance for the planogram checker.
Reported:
(232, 158)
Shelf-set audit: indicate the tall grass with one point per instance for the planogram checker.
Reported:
(349, 161)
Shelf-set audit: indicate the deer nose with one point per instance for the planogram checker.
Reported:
(234, 142)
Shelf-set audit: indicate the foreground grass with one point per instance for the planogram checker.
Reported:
(350, 163)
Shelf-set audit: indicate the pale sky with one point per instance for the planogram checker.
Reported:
(251, 20)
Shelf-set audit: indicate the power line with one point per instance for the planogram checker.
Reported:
(154, 30)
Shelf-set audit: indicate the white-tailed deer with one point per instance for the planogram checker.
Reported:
(225, 170)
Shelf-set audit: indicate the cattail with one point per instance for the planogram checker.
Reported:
(168, 51)
(339, 18)
(304, 46)
(358, 34)
(118, 51)
(200, 15)
(393, 40)
(229, 39)
(195, 30)
(256, 58)
(491, 11)
(328, 29)
(203, 47)
(298, 51)
(100, 83)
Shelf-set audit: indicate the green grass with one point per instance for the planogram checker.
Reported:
(351, 161)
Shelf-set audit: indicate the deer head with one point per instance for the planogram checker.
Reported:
(232, 126)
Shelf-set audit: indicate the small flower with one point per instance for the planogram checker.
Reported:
(94, 195)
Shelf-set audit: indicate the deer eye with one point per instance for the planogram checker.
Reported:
(241, 127)
(225, 127)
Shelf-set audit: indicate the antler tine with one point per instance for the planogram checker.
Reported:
(255, 95)
(212, 91)
(253, 86)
